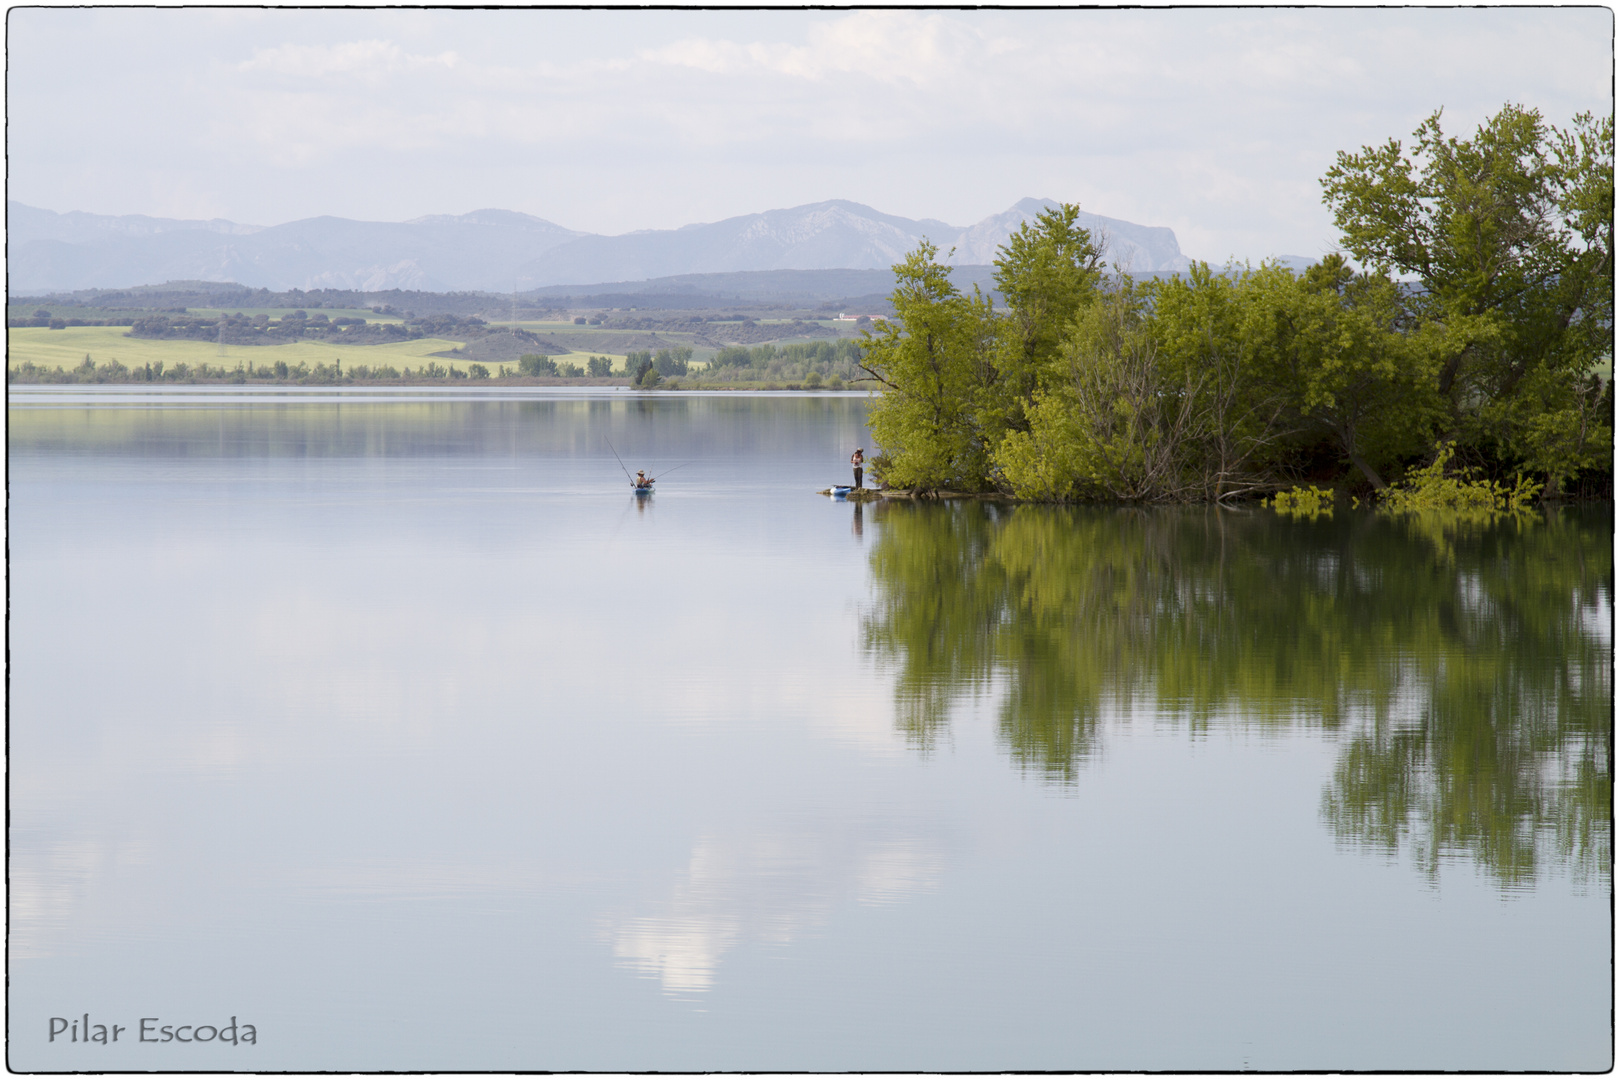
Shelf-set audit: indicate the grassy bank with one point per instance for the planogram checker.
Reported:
(66, 349)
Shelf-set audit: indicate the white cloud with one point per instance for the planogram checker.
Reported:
(885, 46)
(1219, 121)
(367, 59)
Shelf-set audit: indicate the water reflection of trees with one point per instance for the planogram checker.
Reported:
(1463, 668)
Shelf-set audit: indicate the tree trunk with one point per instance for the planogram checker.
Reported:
(1368, 471)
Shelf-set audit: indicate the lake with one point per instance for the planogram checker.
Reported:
(393, 725)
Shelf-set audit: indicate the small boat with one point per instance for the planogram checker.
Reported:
(842, 489)
(641, 483)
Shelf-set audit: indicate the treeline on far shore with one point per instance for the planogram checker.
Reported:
(644, 371)
(47, 321)
(279, 371)
(812, 365)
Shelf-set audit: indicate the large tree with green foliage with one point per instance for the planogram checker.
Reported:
(1207, 385)
(1510, 236)
(1122, 424)
(1482, 316)
(1047, 274)
(1335, 358)
(958, 377)
(1205, 325)
(935, 361)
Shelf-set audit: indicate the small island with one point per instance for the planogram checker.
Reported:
(1474, 327)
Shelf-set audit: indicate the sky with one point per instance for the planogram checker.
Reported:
(1218, 123)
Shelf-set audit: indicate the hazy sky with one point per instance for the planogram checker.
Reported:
(1217, 123)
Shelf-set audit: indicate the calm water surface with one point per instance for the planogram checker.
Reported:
(395, 726)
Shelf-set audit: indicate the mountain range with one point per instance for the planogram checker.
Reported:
(503, 251)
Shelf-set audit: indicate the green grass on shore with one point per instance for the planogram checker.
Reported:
(67, 349)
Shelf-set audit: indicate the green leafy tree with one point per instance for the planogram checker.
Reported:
(1120, 426)
(1341, 355)
(1048, 271)
(1360, 372)
(536, 364)
(673, 361)
(960, 378)
(936, 363)
(1212, 331)
(1510, 237)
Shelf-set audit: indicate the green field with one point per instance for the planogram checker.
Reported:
(537, 324)
(593, 331)
(67, 349)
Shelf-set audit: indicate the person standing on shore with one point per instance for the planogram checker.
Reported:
(857, 459)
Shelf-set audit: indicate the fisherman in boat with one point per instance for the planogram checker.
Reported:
(857, 459)
(642, 483)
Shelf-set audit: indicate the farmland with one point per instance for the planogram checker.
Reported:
(192, 332)
(67, 349)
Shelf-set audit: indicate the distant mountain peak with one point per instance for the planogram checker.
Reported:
(1131, 247)
(77, 225)
(492, 217)
(499, 250)
(1034, 206)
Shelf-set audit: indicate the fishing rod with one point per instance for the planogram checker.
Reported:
(620, 460)
(669, 470)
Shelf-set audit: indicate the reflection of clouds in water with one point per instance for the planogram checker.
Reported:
(765, 888)
(50, 886)
(45, 889)
(683, 953)
(892, 871)
(368, 666)
(1597, 618)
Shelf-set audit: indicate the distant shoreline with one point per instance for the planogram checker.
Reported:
(62, 378)
(676, 385)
